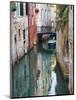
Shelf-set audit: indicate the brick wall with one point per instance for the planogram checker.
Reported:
(32, 25)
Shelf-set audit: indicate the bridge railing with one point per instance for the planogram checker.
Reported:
(43, 29)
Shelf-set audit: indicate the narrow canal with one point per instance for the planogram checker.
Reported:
(38, 74)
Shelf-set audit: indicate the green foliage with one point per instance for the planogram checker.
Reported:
(13, 6)
(61, 9)
(63, 14)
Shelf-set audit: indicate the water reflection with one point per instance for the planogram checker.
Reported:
(34, 74)
(53, 84)
(53, 77)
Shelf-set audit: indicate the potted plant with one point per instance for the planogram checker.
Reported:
(13, 6)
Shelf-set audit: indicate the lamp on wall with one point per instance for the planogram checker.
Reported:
(36, 10)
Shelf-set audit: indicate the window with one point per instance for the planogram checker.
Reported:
(41, 13)
(21, 8)
(15, 39)
(35, 5)
(19, 35)
(26, 8)
(52, 6)
(24, 34)
(71, 7)
(52, 23)
(19, 32)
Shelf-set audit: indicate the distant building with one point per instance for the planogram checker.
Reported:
(42, 17)
(52, 16)
(43, 21)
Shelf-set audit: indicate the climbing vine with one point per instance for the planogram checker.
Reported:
(63, 14)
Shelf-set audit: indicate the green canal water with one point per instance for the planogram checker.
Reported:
(31, 75)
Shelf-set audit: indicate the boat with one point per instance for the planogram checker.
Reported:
(51, 44)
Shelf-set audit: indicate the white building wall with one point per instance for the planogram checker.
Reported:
(19, 23)
(17, 48)
(53, 16)
(13, 46)
(26, 34)
(42, 17)
(49, 17)
(71, 49)
(46, 15)
(26, 29)
(20, 45)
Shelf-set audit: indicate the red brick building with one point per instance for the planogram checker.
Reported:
(32, 25)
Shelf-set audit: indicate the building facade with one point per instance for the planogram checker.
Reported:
(32, 25)
(52, 17)
(71, 48)
(19, 31)
(23, 29)
(43, 17)
(65, 48)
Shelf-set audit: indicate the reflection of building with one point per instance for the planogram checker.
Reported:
(65, 48)
(43, 74)
(21, 79)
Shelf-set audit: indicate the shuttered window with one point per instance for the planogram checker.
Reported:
(26, 8)
(24, 34)
(21, 9)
